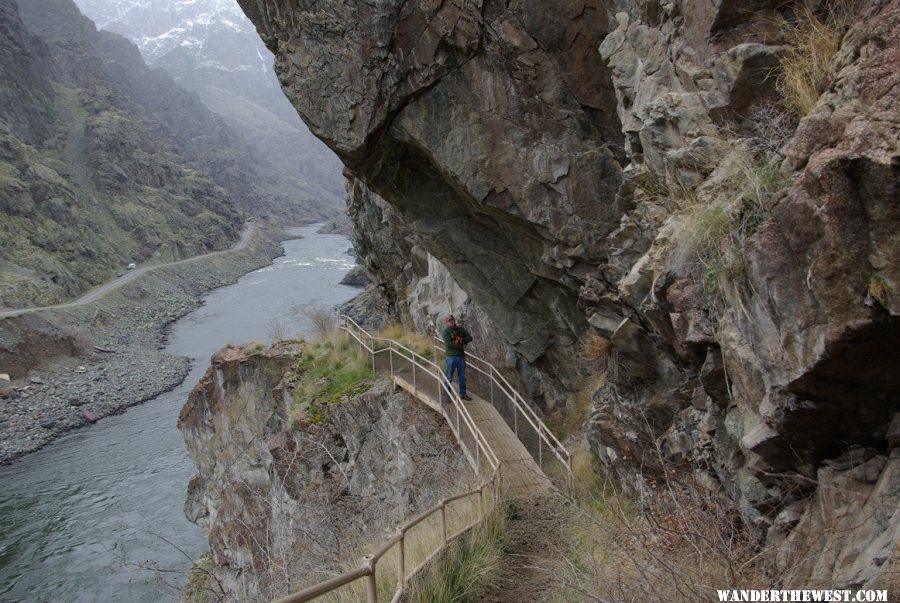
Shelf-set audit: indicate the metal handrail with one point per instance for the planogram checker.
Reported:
(367, 570)
(418, 360)
(536, 423)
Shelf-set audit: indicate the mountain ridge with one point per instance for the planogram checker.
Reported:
(100, 183)
(211, 48)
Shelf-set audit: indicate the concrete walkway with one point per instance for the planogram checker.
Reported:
(520, 475)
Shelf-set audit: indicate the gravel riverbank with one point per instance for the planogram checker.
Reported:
(72, 367)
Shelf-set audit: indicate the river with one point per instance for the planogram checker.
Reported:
(98, 514)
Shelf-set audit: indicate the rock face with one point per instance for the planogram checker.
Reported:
(434, 102)
(303, 498)
(742, 269)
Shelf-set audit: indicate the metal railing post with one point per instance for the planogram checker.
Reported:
(515, 420)
(481, 503)
(391, 358)
(540, 450)
(371, 585)
(401, 561)
(415, 387)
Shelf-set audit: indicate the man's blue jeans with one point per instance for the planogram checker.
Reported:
(457, 364)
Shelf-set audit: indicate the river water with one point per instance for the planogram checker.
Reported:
(98, 514)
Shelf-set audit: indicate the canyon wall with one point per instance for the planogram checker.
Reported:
(626, 172)
(285, 498)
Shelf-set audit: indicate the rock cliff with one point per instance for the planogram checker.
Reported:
(628, 172)
(283, 500)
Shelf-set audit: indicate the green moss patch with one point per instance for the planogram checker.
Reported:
(327, 372)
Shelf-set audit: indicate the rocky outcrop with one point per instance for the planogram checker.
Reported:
(283, 500)
(642, 194)
(508, 211)
(26, 101)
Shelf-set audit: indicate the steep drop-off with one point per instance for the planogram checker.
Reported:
(287, 497)
(628, 173)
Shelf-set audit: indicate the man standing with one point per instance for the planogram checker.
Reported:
(455, 340)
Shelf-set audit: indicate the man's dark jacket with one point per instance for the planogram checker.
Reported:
(455, 340)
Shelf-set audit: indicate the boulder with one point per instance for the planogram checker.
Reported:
(356, 277)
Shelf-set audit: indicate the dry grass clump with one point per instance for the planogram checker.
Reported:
(596, 357)
(715, 227)
(880, 291)
(421, 344)
(573, 417)
(710, 234)
(468, 568)
(594, 349)
(682, 545)
(816, 39)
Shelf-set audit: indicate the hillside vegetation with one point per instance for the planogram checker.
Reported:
(104, 161)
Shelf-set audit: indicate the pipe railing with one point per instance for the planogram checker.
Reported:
(396, 353)
(368, 569)
(477, 450)
(499, 388)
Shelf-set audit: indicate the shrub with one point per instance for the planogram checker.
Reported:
(770, 126)
(324, 322)
(680, 544)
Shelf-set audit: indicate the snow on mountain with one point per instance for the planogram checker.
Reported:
(159, 26)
